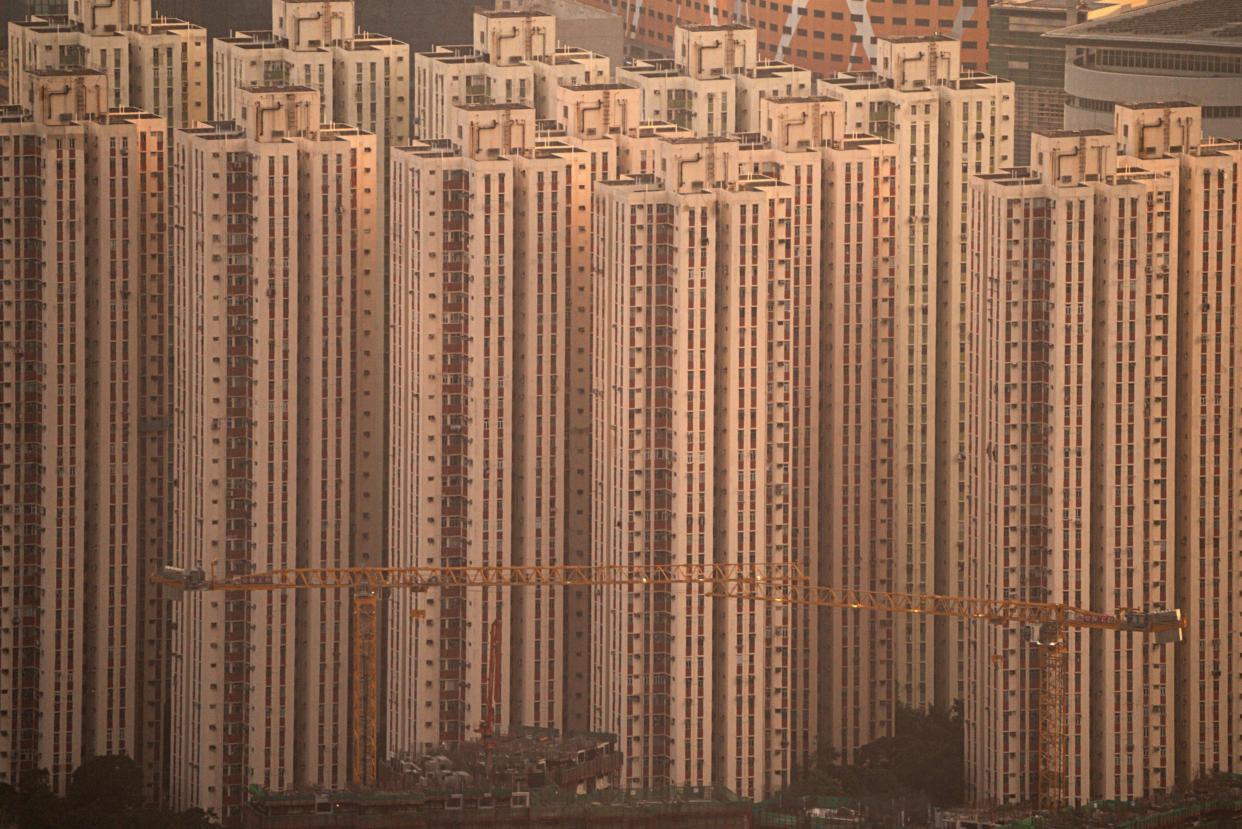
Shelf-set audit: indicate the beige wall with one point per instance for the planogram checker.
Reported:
(552, 200)
(768, 80)
(127, 448)
(1028, 392)
(235, 485)
(1095, 525)
(451, 411)
(277, 427)
(449, 77)
(706, 298)
(168, 71)
(859, 423)
(947, 127)
(1209, 462)
(247, 59)
(40, 44)
(44, 397)
(706, 106)
(766, 491)
(651, 653)
(976, 136)
(340, 355)
(1134, 390)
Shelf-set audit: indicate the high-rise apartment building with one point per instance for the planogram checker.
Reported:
(153, 63)
(947, 124)
(1133, 393)
(855, 385)
(1029, 370)
(1201, 516)
(128, 462)
(1099, 344)
(518, 286)
(705, 430)
(696, 90)
(277, 410)
(451, 452)
(715, 82)
(827, 37)
(579, 25)
(1209, 318)
(860, 423)
(491, 274)
(713, 87)
(553, 184)
(44, 426)
(84, 441)
(593, 114)
(705, 313)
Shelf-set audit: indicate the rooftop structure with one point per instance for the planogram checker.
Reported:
(1176, 49)
(134, 46)
(362, 78)
(1214, 24)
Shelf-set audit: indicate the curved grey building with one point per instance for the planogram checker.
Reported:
(1187, 50)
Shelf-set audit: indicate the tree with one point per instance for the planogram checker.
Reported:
(37, 807)
(924, 761)
(104, 793)
(111, 784)
(926, 754)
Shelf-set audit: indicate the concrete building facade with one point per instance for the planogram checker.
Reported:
(514, 58)
(85, 439)
(580, 25)
(1029, 457)
(129, 445)
(278, 347)
(45, 396)
(860, 432)
(700, 314)
(704, 431)
(1095, 366)
(947, 125)
(493, 285)
(452, 423)
(363, 79)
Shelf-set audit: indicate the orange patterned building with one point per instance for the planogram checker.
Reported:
(827, 36)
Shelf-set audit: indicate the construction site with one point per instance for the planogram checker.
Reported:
(534, 777)
(530, 778)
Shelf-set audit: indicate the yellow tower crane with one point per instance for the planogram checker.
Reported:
(777, 583)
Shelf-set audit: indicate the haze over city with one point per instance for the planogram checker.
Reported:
(620, 412)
